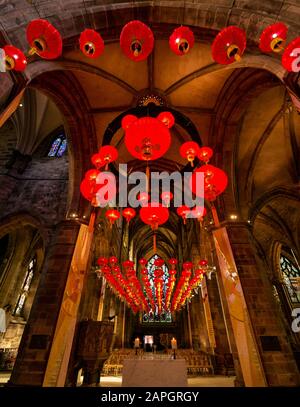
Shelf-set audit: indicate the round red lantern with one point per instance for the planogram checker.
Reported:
(183, 211)
(143, 262)
(273, 38)
(89, 190)
(91, 43)
(173, 261)
(136, 40)
(198, 212)
(215, 181)
(143, 198)
(189, 150)
(154, 215)
(91, 175)
(112, 215)
(290, 58)
(113, 260)
(229, 45)
(129, 213)
(188, 265)
(146, 138)
(159, 263)
(108, 154)
(205, 154)
(166, 197)
(14, 58)
(44, 39)
(97, 160)
(203, 263)
(167, 119)
(181, 40)
(102, 261)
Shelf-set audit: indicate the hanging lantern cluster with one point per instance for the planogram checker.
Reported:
(157, 294)
(124, 284)
(137, 43)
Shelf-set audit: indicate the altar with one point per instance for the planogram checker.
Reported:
(154, 372)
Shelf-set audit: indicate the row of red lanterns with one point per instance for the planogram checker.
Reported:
(162, 295)
(137, 42)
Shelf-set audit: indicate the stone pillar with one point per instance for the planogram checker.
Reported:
(264, 354)
(279, 364)
(31, 362)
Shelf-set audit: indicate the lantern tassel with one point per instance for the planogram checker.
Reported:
(154, 242)
(148, 177)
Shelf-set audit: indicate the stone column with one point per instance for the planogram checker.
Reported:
(31, 362)
(279, 365)
(265, 355)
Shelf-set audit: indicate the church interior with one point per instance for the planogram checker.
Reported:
(162, 86)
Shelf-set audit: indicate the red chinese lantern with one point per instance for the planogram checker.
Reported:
(154, 215)
(44, 39)
(273, 38)
(181, 40)
(205, 154)
(189, 150)
(112, 215)
(166, 197)
(91, 43)
(97, 160)
(129, 213)
(167, 118)
(215, 181)
(143, 262)
(108, 154)
(198, 212)
(143, 198)
(203, 262)
(113, 260)
(159, 263)
(14, 58)
(91, 175)
(188, 265)
(183, 211)
(291, 56)
(89, 190)
(173, 262)
(102, 261)
(146, 138)
(229, 45)
(136, 40)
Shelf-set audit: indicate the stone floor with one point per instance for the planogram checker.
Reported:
(200, 381)
(116, 381)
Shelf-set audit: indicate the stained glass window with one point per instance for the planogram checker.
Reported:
(291, 278)
(25, 287)
(58, 147)
(153, 315)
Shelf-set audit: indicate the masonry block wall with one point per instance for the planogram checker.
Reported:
(279, 365)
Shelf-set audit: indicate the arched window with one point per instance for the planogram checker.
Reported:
(291, 278)
(153, 316)
(58, 147)
(25, 287)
